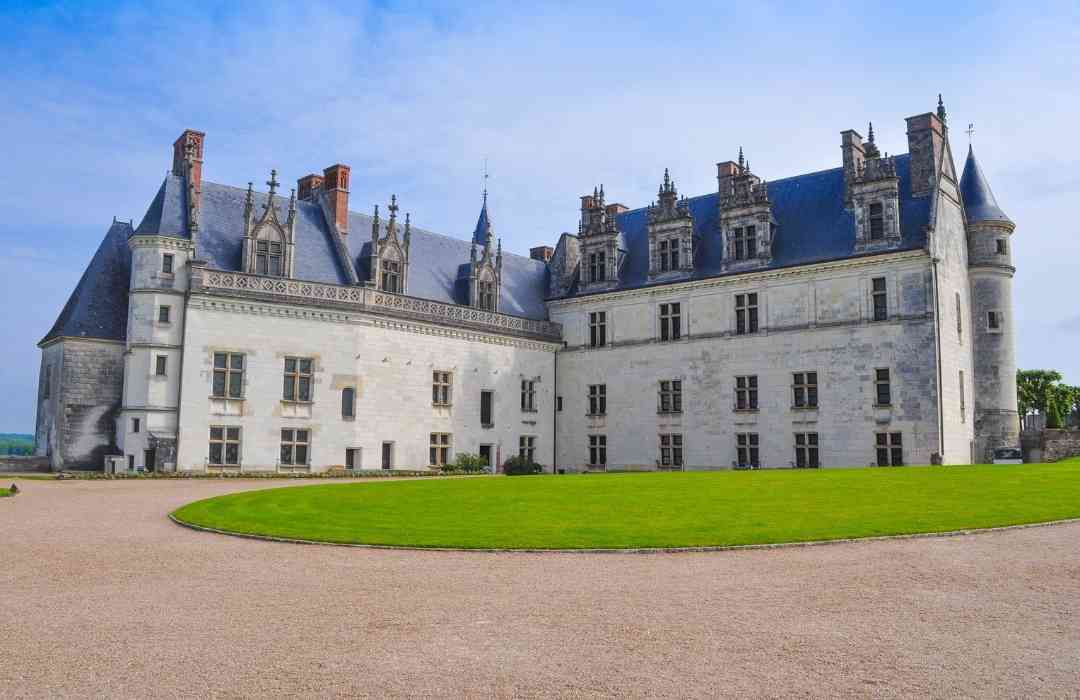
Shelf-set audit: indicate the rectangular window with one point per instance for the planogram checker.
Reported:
(487, 400)
(671, 450)
(745, 241)
(295, 444)
(805, 390)
(746, 450)
(268, 257)
(224, 446)
(486, 294)
(877, 221)
(160, 365)
(528, 395)
(167, 263)
(135, 425)
(1002, 246)
(164, 314)
(297, 385)
(670, 321)
(994, 320)
(890, 449)
(963, 399)
(439, 450)
(527, 447)
(388, 455)
(598, 450)
(671, 396)
(883, 387)
(881, 302)
(664, 258)
(597, 267)
(558, 404)
(228, 375)
(597, 329)
(959, 321)
(746, 313)
(597, 399)
(348, 402)
(440, 388)
(391, 276)
(352, 458)
(746, 393)
(806, 451)
(131, 463)
(47, 390)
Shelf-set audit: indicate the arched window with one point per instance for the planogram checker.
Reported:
(485, 291)
(348, 402)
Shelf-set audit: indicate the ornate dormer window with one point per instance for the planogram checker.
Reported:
(389, 256)
(875, 199)
(598, 234)
(269, 243)
(747, 226)
(671, 232)
(485, 265)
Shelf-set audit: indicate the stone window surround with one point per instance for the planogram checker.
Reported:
(598, 450)
(528, 394)
(161, 364)
(228, 371)
(527, 447)
(747, 451)
(879, 294)
(889, 445)
(751, 302)
(804, 384)
(491, 409)
(164, 315)
(746, 384)
(439, 449)
(297, 375)
(348, 408)
(995, 321)
(225, 440)
(442, 388)
(298, 442)
(883, 384)
(168, 262)
(357, 454)
(683, 315)
(807, 451)
(671, 448)
(669, 400)
(601, 318)
(596, 404)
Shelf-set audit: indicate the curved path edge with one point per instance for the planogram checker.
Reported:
(634, 550)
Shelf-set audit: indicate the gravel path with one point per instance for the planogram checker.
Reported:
(101, 595)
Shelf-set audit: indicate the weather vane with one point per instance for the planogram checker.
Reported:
(970, 131)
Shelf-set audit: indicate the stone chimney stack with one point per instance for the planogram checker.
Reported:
(854, 155)
(725, 176)
(187, 162)
(542, 253)
(926, 142)
(336, 185)
(308, 187)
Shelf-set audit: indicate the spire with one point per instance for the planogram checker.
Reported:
(375, 231)
(979, 201)
(483, 223)
(391, 225)
(408, 231)
(870, 137)
(871, 149)
(742, 161)
(941, 109)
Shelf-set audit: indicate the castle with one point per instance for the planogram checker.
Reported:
(860, 315)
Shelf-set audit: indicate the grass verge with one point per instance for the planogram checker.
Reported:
(652, 509)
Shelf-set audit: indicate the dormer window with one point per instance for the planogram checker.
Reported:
(745, 242)
(877, 221)
(669, 255)
(597, 267)
(486, 291)
(391, 276)
(268, 256)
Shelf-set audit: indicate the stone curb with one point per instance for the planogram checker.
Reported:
(637, 550)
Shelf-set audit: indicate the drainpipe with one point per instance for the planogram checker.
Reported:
(555, 418)
(937, 342)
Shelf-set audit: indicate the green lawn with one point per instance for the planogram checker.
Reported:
(5, 492)
(652, 509)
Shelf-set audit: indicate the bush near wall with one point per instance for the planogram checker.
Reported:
(520, 466)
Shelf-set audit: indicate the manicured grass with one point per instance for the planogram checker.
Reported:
(4, 492)
(652, 509)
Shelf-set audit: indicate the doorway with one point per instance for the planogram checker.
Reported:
(148, 459)
(485, 454)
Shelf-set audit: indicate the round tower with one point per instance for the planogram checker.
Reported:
(989, 233)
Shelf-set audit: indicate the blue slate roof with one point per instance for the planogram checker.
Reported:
(98, 307)
(979, 201)
(812, 226)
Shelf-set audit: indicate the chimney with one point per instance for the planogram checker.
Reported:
(614, 210)
(854, 155)
(307, 187)
(725, 176)
(926, 141)
(336, 185)
(187, 160)
(542, 253)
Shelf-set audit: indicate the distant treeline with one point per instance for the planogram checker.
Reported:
(16, 444)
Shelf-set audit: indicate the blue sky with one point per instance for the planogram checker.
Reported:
(414, 96)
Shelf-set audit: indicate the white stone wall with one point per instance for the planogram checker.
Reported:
(813, 318)
(389, 362)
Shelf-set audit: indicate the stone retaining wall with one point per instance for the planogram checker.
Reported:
(1050, 445)
(10, 464)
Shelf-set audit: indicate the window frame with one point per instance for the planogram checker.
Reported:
(485, 295)
(747, 318)
(224, 441)
(439, 448)
(670, 397)
(746, 393)
(168, 264)
(671, 450)
(228, 372)
(527, 447)
(442, 388)
(875, 221)
(596, 401)
(136, 425)
(963, 399)
(348, 405)
(161, 365)
(357, 458)
(297, 441)
(528, 396)
(293, 380)
(807, 450)
(597, 329)
(670, 317)
(490, 395)
(1001, 246)
(882, 387)
(804, 386)
(889, 445)
(269, 257)
(597, 266)
(747, 450)
(879, 299)
(598, 450)
(995, 321)
(390, 276)
(164, 315)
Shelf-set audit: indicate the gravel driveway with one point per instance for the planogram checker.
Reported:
(101, 595)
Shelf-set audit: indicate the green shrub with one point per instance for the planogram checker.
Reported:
(518, 466)
(466, 463)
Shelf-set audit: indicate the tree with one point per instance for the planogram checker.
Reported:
(1041, 391)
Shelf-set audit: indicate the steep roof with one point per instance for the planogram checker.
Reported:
(99, 305)
(813, 226)
(483, 223)
(979, 201)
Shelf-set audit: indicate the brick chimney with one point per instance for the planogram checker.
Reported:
(854, 155)
(188, 155)
(542, 253)
(725, 176)
(926, 141)
(336, 185)
(307, 187)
